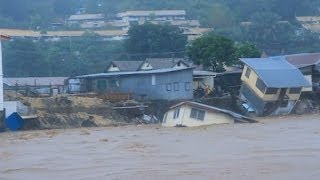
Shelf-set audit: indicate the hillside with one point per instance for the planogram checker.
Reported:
(217, 13)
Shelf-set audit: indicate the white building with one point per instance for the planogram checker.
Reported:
(87, 20)
(158, 15)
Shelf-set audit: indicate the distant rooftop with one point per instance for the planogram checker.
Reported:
(31, 81)
(308, 18)
(276, 72)
(156, 13)
(79, 17)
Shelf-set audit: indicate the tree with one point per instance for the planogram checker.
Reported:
(213, 52)
(247, 50)
(160, 39)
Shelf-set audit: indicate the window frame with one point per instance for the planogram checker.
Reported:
(261, 85)
(271, 91)
(176, 113)
(176, 86)
(197, 114)
(169, 87)
(248, 72)
(187, 86)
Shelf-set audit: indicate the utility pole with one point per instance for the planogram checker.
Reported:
(2, 37)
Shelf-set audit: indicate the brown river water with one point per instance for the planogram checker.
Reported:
(281, 148)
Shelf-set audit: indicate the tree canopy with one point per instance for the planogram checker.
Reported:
(215, 52)
(150, 39)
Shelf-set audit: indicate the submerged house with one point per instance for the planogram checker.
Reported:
(161, 84)
(271, 86)
(193, 114)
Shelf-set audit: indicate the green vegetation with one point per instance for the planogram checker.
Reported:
(215, 52)
(155, 40)
(270, 25)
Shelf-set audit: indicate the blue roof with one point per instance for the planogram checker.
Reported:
(276, 72)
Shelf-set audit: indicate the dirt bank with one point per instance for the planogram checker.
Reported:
(68, 112)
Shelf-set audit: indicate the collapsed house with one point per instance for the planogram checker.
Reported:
(160, 84)
(193, 114)
(271, 86)
(309, 65)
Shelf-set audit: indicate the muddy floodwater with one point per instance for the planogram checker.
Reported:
(280, 148)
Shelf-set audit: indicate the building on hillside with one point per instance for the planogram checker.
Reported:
(309, 65)
(271, 86)
(36, 85)
(87, 20)
(311, 23)
(160, 84)
(148, 64)
(157, 15)
(193, 114)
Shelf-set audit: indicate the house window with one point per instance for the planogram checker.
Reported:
(197, 114)
(248, 72)
(176, 86)
(165, 118)
(153, 80)
(113, 83)
(271, 91)
(187, 86)
(176, 113)
(260, 85)
(179, 64)
(295, 90)
(169, 87)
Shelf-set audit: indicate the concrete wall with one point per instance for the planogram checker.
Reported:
(184, 118)
(251, 82)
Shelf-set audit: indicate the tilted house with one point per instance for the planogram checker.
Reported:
(271, 86)
(196, 114)
(161, 84)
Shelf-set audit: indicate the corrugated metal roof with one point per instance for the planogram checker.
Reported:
(163, 63)
(276, 72)
(304, 59)
(39, 81)
(158, 71)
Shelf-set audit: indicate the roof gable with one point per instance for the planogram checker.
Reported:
(163, 63)
(276, 72)
(126, 65)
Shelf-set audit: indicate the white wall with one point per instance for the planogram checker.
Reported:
(11, 107)
(184, 118)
